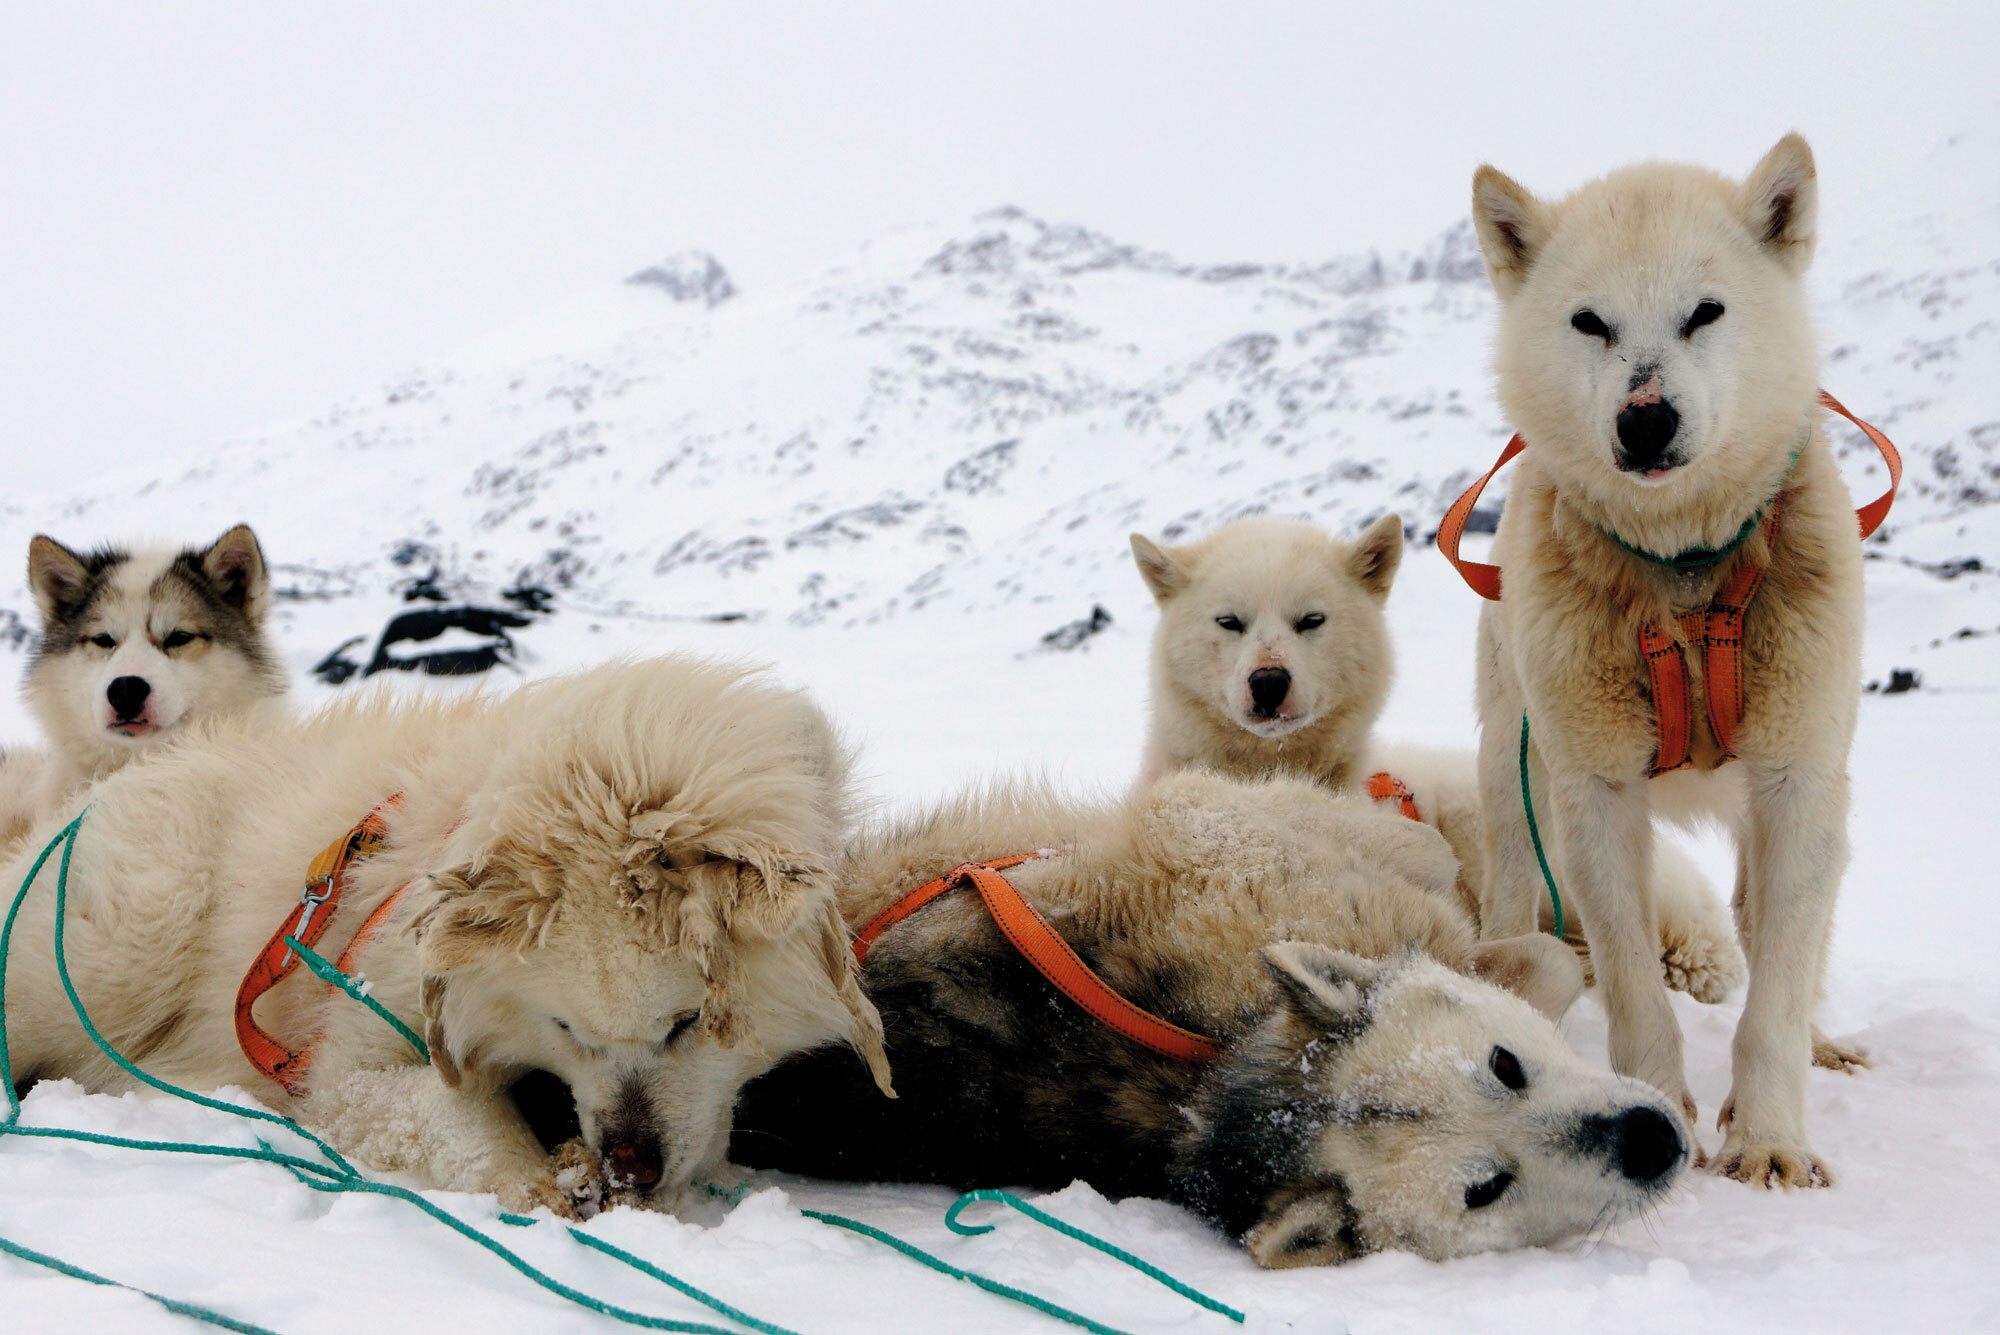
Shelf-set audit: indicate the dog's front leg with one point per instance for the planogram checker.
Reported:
(1791, 861)
(1509, 890)
(1606, 833)
(463, 1138)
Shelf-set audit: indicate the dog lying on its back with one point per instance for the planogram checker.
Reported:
(621, 879)
(136, 648)
(1272, 655)
(1371, 1094)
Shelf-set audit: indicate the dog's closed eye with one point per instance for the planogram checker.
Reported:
(683, 1024)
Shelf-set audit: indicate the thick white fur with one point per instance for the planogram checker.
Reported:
(617, 850)
(1269, 574)
(1641, 248)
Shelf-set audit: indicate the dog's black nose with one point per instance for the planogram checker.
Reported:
(1649, 1144)
(1268, 687)
(633, 1164)
(1645, 431)
(128, 695)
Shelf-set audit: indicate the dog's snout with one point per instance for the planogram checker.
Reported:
(127, 696)
(1645, 435)
(635, 1163)
(1268, 688)
(1649, 1144)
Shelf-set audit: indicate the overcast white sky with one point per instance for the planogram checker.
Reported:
(214, 215)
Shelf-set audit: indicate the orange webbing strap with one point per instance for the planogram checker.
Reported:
(1717, 631)
(1030, 934)
(1872, 514)
(369, 926)
(307, 922)
(1484, 579)
(1386, 787)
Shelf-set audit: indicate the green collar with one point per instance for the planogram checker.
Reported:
(1701, 558)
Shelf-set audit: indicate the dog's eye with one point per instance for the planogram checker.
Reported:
(1310, 621)
(177, 639)
(1507, 1070)
(1232, 624)
(1482, 1194)
(682, 1024)
(1587, 322)
(562, 1025)
(103, 641)
(1707, 312)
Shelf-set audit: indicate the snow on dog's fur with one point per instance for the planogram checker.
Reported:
(137, 647)
(1371, 1093)
(1278, 605)
(620, 878)
(1656, 355)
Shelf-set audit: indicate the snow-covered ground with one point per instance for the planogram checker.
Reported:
(892, 482)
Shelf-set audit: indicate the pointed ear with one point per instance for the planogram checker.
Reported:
(1512, 225)
(1160, 567)
(837, 955)
(1328, 987)
(435, 1037)
(235, 567)
(58, 576)
(1377, 555)
(1313, 1226)
(1539, 969)
(1780, 203)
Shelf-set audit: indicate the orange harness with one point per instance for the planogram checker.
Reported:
(1386, 787)
(1716, 630)
(326, 880)
(1029, 933)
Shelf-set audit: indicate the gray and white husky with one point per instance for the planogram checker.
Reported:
(1376, 1088)
(137, 646)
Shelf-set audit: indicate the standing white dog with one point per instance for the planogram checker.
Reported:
(1656, 357)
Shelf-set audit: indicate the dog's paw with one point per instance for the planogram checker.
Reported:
(1770, 1164)
(537, 1192)
(1834, 1055)
(1706, 970)
(579, 1176)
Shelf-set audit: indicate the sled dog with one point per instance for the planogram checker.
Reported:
(1656, 357)
(619, 878)
(1272, 655)
(137, 647)
(1370, 1093)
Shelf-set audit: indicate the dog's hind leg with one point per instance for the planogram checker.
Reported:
(1698, 950)
(1793, 854)
(1512, 887)
(406, 1119)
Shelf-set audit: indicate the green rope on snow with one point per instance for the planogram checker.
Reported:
(1535, 833)
(358, 989)
(173, 1305)
(343, 1177)
(648, 1268)
(1089, 1239)
(994, 1286)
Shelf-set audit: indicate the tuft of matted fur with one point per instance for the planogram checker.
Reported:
(621, 878)
(138, 647)
(1656, 354)
(1360, 1097)
(1312, 605)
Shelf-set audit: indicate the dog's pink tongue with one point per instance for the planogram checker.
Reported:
(1655, 474)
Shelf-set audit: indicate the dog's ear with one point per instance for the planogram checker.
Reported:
(1780, 203)
(1328, 987)
(58, 576)
(1539, 969)
(234, 565)
(435, 1036)
(1377, 555)
(1309, 1225)
(1161, 568)
(1512, 225)
(837, 956)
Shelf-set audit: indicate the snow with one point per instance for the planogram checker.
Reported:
(896, 479)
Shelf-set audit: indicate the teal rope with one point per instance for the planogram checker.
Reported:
(1042, 1217)
(1534, 831)
(1701, 558)
(646, 1267)
(173, 1305)
(993, 1286)
(344, 1177)
(353, 987)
